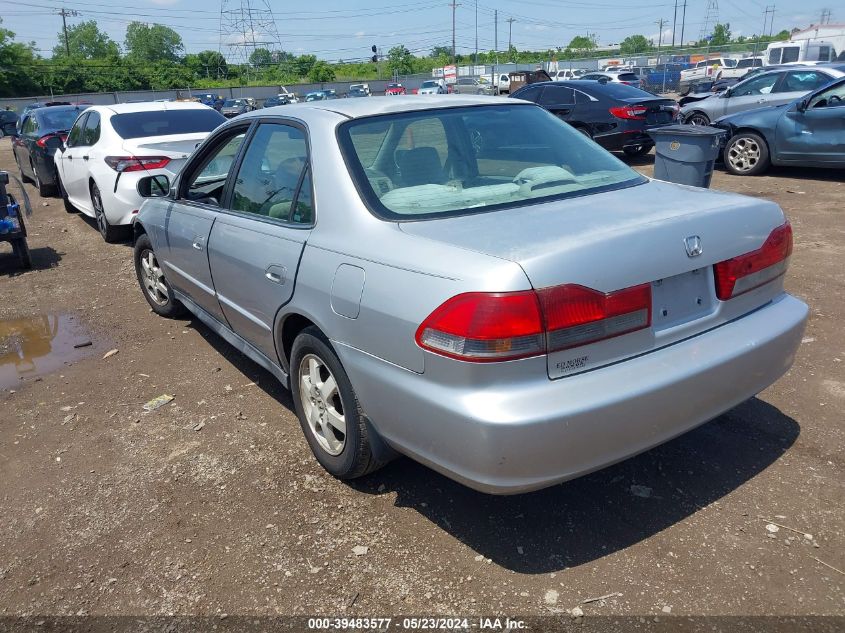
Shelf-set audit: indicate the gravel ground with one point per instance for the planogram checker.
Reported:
(213, 503)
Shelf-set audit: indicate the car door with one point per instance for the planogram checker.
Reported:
(559, 100)
(73, 169)
(256, 243)
(815, 134)
(747, 95)
(187, 226)
(21, 143)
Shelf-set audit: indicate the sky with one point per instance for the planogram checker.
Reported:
(344, 30)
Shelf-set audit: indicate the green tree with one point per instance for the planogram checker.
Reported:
(18, 66)
(582, 45)
(303, 64)
(400, 61)
(441, 51)
(85, 40)
(261, 58)
(320, 72)
(721, 35)
(513, 54)
(634, 44)
(213, 63)
(152, 42)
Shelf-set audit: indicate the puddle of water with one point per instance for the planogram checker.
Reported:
(38, 345)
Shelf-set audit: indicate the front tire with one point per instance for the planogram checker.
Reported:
(328, 410)
(150, 274)
(111, 234)
(746, 154)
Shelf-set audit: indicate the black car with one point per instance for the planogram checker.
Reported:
(8, 122)
(614, 115)
(42, 131)
(277, 100)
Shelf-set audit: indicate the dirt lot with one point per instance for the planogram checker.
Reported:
(213, 504)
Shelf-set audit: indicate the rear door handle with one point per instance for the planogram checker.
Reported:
(85, 158)
(198, 243)
(275, 273)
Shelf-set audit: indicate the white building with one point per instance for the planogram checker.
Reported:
(833, 33)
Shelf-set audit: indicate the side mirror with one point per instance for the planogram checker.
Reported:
(803, 105)
(727, 94)
(154, 186)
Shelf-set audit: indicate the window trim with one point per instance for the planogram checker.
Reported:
(210, 145)
(229, 191)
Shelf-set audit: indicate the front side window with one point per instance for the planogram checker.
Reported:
(207, 182)
(761, 85)
(833, 97)
(473, 159)
(271, 172)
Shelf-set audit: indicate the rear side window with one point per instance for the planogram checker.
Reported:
(619, 91)
(91, 133)
(803, 81)
(57, 119)
(790, 54)
(529, 94)
(166, 122)
(554, 95)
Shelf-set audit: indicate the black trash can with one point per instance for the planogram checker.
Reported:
(685, 154)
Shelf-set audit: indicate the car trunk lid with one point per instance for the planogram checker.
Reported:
(658, 111)
(617, 240)
(177, 148)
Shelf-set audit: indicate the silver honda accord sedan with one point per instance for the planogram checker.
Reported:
(470, 282)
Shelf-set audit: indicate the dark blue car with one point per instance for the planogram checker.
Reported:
(809, 132)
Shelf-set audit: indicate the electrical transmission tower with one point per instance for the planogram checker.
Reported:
(246, 25)
(711, 18)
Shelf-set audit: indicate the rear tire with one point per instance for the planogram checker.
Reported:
(44, 191)
(111, 234)
(157, 291)
(68, 206)
(638, 150)
(746, 154)
(697, 118)
(324, 401)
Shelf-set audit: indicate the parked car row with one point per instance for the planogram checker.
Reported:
(394, 262)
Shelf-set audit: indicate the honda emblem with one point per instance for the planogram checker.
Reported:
(693, 245)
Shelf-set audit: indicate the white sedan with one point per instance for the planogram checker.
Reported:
(110, 148)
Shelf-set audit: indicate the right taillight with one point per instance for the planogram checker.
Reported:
(497, 326)
(742, 274)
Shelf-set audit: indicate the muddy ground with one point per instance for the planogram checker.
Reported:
(213, 504)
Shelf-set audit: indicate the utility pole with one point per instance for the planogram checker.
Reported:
(454, 6)
(65, 13)
(496, 33)
(683, 23)
(476, 32)
(772, 22)
(674, 23)
(510, 22)
(660, 24)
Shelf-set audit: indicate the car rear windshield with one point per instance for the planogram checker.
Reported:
(457, 161)
(166, 122)
(616, 91)
(57, 119)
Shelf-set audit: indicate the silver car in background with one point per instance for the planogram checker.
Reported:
(513, 314)
(768, 88)
(432, 87)
(473, 86)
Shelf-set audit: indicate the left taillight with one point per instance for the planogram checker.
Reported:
(629, 112)
(742, 274)
(136, 163)
(42, 142)
(497, 326)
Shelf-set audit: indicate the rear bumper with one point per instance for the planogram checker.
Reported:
(518, 435)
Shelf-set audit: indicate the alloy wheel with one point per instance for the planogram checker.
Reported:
(322, 404)
(698, 119)
(744, 154)
(153, 278)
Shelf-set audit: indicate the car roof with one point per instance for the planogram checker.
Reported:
(152, 106)
(356, 108)
(45, 111)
